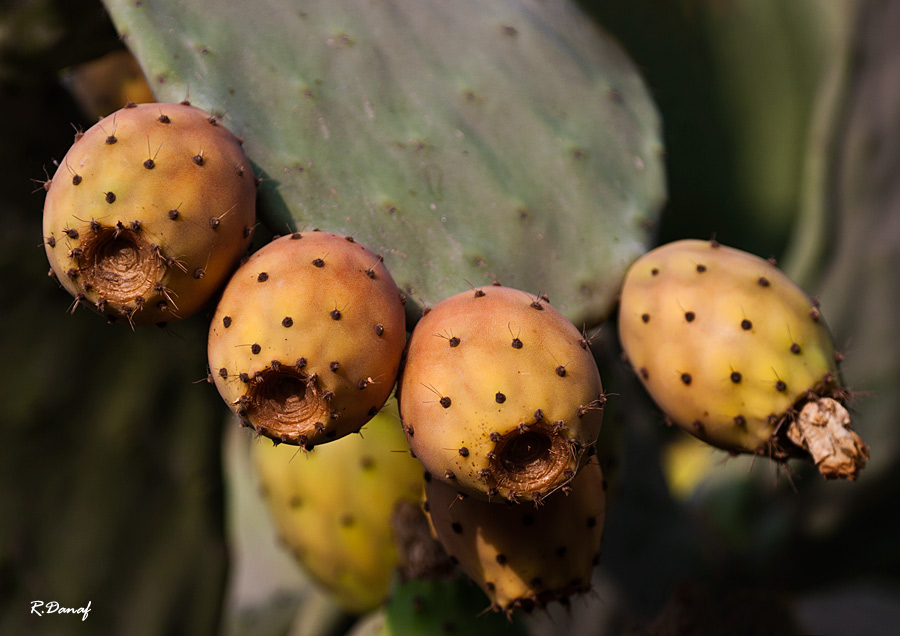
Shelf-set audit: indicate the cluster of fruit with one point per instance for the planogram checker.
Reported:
(500, 398)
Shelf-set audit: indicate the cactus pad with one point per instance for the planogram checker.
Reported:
(467, 141)
(425, 607)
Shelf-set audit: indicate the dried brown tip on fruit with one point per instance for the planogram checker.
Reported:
(118, 264)
(822, 428)
(287, 404)
(533, 458)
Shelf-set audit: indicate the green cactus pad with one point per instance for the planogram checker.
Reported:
(468, 142)
(424, 607)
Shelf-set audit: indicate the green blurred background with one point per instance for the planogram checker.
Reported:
(124, 483)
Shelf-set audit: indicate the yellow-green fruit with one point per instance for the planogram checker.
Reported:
(729, 348)
(149, 213)
(306, 341)
(332, 506)
(523, 555)
(500, 395)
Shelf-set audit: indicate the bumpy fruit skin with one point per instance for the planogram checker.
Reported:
(332, 507)
(149, 213)
(728, 346)
(500, 395)
(306, 341)
(522, 555)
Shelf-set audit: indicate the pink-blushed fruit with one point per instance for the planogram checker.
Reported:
(500, 395)
(306, 341)
(737, 354)
(522, 555)
(149, 213)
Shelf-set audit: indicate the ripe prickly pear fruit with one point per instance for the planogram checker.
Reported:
(500, 395)
(306, 341)
(332, 507)
(738, 355)
(149, 213)
(521, 555)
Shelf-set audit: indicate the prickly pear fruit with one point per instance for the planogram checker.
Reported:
(500, 394)
(425, 607)
(306, 341)
(149, 213)
(737, 354)
(333, 506)
(522, 555)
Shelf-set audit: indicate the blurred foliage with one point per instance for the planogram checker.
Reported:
(737, 82)
(40, 37)
(110, 468)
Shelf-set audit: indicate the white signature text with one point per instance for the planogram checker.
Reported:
(40, 608)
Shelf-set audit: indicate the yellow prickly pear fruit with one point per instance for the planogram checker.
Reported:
(149, 213)
(500, 395)
(737, 354)
(333, 506)
(523, 555)
(306, 341)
